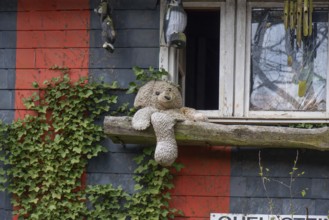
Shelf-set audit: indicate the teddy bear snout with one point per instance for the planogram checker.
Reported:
(165, 97)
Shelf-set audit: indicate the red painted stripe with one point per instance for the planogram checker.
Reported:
(47, 57)
(203, 185)
(54, 5)
(28, 76)
(53, 39)
(44, 47)
(197, 206)
(47, 38)
(52, 20)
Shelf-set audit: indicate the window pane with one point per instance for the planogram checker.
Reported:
(284, 76)
(202, 59)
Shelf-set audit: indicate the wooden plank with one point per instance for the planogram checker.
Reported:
(7, 58)
(53, 39)
(240, 59)
(19, 113)
(8, 5)
(122, 76)
(128, 38)
(25, 77)
(126, 181)
(124, 58)
(77, 58)
(37, 5)
(7, 99)
(8, 21)
(130, 19)
(226, 77)
(7, 78)
(8, 39)
(53, 20)
(46, 58)
(7, 116)
(113, 163)
(197, 206)
(200, 161)
(20, 95)
(120, 130)
(129, 4)
(201, 186)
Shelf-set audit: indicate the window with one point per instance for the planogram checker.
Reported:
(261, 75)
(202, 59)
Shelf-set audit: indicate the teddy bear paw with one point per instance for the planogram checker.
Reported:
(200, 117)
(165, 153)
(140, 124)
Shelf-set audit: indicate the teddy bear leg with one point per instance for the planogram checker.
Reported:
(166, 150)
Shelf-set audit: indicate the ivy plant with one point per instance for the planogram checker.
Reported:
(45, 155)
(149, 201)
(47, 152)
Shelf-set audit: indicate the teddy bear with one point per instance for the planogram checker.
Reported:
(160, 103)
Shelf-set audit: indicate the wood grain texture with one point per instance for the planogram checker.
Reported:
(124, 58)
(53, 39)
(129, 4)
(119, 129)
(49, 33)
(53, 20)
(46, 58)
(36, 5)
(197, 207)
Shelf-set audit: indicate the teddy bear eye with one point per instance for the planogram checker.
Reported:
(157, 93)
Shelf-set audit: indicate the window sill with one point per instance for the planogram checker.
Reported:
(119, 129)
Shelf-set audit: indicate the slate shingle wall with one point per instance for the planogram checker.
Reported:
(7, 78)
(137, 44)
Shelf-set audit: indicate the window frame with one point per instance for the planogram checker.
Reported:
(234, 68)
(244, 100)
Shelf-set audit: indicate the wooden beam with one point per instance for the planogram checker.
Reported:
(120, 130)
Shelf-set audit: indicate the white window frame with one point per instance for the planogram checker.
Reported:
(234, 74)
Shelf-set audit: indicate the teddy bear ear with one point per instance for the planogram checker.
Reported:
(144, 95)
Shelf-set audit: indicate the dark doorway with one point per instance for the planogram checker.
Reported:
(202, 60)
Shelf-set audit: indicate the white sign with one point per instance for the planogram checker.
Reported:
(226, 216)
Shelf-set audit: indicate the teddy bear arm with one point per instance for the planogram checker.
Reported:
(142, 118)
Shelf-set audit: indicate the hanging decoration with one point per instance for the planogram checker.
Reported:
(104, 10)
(175, 24)
(298, 17)
(298, 24)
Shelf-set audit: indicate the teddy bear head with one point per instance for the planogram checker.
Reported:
(159, 94)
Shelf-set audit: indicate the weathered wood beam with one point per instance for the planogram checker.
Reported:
(119, 129)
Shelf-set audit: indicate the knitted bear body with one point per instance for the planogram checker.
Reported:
(160, 104)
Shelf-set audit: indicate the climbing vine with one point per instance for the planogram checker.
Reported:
(45, 155)
(149, 201)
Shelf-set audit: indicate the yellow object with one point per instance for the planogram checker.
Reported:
(302, 88)
(289, 61)
(286, 13)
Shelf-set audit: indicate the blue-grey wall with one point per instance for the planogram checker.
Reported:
(7, 78)
(280, 193)
(137, 44)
